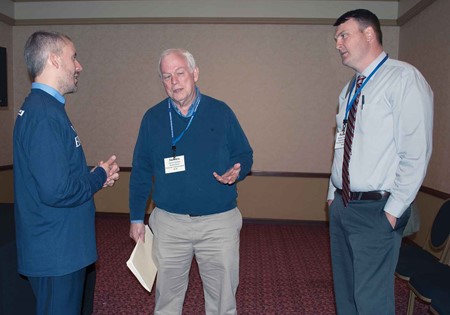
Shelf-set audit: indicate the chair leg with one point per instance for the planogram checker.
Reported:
(412, 298)
(433, 311)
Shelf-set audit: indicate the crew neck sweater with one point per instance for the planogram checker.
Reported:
(214, 142)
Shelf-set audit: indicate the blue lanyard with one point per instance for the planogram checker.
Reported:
(175, 140)
(357, 92)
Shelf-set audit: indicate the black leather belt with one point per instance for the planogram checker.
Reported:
(195, 215)
(367, 195)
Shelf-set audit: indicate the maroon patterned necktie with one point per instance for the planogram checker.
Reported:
(349, 132)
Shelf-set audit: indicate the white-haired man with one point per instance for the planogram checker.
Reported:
(184, 143)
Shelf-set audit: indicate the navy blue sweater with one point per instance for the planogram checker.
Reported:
(54, 207)
(214, 142)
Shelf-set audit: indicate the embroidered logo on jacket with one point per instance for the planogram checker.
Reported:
(77, 142)
(77, 139)
(21, 112)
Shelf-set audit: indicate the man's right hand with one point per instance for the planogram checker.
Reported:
(112, 171)
(137, 231)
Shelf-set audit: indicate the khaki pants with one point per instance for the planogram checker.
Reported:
(214, 241)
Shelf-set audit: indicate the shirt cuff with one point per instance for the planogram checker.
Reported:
(331, 190)
(395, 207)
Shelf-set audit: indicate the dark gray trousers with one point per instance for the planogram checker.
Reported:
(364, 254)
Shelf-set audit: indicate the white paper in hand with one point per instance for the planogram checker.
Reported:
(141, 261)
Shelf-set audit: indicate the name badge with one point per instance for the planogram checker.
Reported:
(340, 139)
(174, 164)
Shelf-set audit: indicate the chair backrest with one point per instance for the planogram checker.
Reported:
(445, 258)
(441, 226)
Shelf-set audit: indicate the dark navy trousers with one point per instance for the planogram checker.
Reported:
(59, 295)
(364, 255)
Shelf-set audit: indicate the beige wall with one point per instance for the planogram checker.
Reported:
(6, 186)
(282, 81)
(425, 42)
(7, 114)
(261, 197)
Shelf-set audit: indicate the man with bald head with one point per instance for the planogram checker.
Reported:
(190, 153)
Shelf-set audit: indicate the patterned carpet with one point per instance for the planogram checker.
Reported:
(285, 270)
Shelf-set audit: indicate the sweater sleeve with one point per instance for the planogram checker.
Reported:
(58, 185)
(240, 150)
(141, 174)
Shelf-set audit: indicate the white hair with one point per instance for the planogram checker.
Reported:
(183, 52)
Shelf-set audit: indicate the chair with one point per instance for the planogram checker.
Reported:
(433, 311)
(425, 271)
(414, 259)
(440, 304)
(431, 287)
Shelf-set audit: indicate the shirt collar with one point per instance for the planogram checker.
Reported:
(191, 108)
(373, 65)
(48, 89)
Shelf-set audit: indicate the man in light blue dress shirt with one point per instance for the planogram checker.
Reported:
(390, 151)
